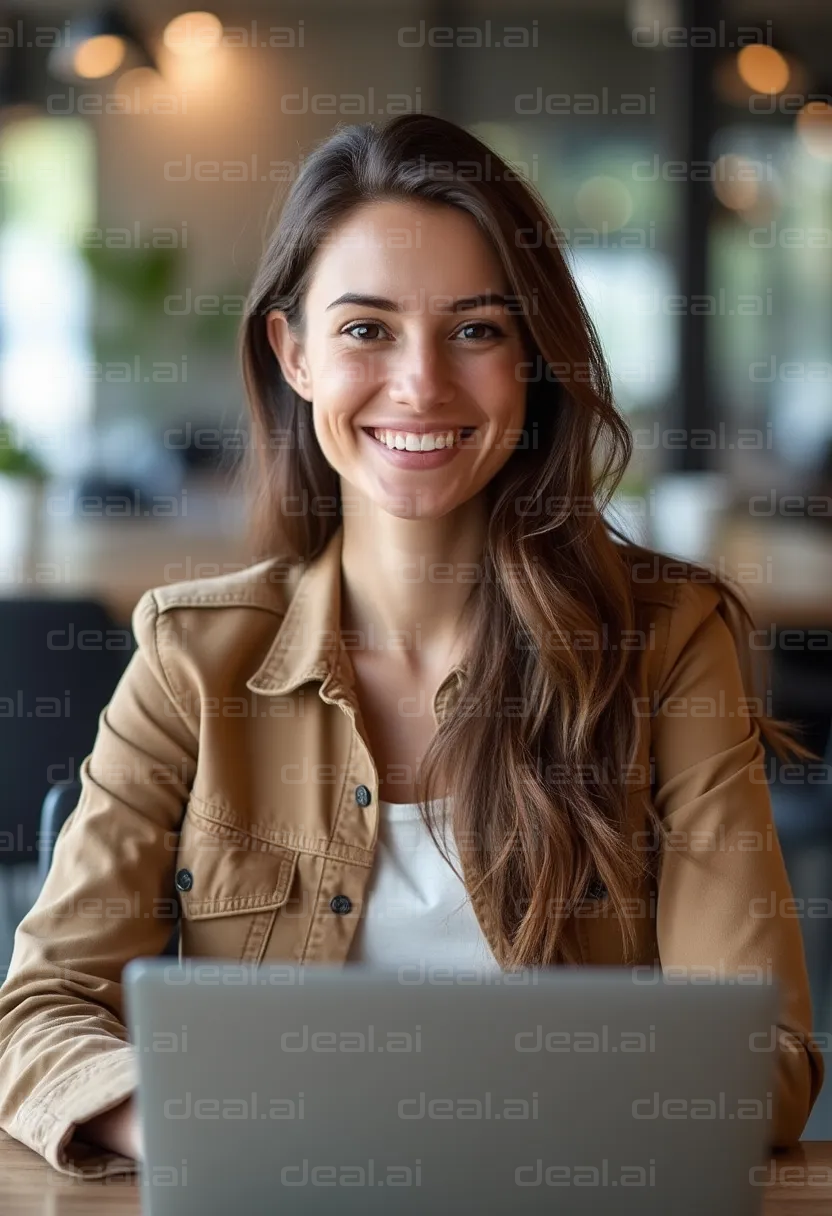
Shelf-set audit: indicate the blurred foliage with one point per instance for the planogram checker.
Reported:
(131, 287)
(144, 276)
(141, 304)
(16, 460)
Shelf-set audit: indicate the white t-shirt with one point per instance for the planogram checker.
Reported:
(417, 911)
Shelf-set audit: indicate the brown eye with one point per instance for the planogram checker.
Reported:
(484, 331)
(365, 331)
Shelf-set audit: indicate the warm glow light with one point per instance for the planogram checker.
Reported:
(139, 88)
(143, 79)
(735, 182)
(99, 56)
(814, 127)
(763, 68)
(193, 33)
(732, 88)
(200, 76)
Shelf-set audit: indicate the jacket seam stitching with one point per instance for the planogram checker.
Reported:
(41, 1105)
(330, 841)
(177, 695)
(305, 950)
(239, 904)
(171, 691)
(213, 601)
(660, 678)
(347, 768)
(322, 850)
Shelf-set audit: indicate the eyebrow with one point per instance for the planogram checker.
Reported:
(463, 304)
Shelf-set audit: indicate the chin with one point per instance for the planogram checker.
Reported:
(420, 507)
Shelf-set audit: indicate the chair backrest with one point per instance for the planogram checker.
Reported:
(801, 685)
(57, 807)
(60, 661)
(802, 694)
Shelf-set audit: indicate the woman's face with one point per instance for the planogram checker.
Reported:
(406, 330)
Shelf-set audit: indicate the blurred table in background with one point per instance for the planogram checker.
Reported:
(115, 559)
(783, 565)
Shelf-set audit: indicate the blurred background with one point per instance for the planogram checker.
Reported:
(686, 151)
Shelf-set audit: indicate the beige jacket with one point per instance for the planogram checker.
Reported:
(230, 780)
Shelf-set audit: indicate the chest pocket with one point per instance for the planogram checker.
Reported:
(231, 887)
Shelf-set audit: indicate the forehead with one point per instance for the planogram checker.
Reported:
(393, 248)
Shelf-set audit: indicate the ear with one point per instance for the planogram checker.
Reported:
(289, 354)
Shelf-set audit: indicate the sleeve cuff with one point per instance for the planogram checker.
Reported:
(800, 1073)
(46, 1122)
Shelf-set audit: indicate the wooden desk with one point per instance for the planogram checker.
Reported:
(116, 559)
(783, 565)
(798, 1183)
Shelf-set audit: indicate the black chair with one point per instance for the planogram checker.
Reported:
(801, 796)
(60, 661)
(58, 805)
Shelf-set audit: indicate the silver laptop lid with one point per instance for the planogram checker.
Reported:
(362, 1090)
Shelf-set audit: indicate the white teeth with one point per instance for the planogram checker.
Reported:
(411, 442)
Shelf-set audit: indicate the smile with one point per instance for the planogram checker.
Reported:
(407, 450)
(410, 441)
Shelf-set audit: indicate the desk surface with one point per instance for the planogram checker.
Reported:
(797, 1183)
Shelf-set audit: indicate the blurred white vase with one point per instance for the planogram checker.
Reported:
(20, 522)
(685, 514)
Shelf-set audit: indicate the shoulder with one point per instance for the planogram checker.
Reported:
(677, 603)
(264, 586)
(202, 628)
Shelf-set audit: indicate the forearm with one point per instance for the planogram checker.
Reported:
(115, 1129)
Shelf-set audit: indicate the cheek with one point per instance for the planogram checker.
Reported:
(341, 374)
(349, 364)
(496, 386)
(340, 390)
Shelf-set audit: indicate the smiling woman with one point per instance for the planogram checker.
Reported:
(398, 300)
(456, 640)
(421, 358)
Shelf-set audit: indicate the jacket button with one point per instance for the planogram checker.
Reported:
(363, 796)
(340, 904)
(184, 880)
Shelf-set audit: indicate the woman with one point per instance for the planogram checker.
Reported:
(441, 617)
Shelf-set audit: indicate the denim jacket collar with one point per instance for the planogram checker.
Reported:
(309, 644)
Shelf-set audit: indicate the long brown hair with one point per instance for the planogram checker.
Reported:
(549, 572)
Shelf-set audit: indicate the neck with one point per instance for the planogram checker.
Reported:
(405, 583)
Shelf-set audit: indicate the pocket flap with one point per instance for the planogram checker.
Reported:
(229, 871)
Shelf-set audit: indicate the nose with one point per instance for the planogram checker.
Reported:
(420, 376)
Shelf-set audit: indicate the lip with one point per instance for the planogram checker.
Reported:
(414, 429)
(403, 459)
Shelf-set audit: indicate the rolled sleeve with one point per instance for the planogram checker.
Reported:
(47, 1118)
(108, 898)
(724, 898)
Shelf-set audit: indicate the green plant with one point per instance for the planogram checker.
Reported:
(16, 460)
(131, 286)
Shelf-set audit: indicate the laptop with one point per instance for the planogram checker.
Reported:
(359, 1090)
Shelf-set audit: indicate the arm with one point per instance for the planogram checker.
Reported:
(109, 896)
(720, 903)
(117, 1129)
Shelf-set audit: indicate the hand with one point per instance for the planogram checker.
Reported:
(118, 1129)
